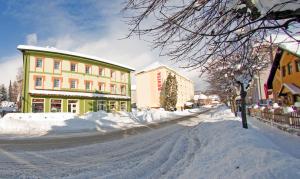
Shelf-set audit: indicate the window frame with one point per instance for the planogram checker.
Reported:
(76, 83)
(121, 105)
(283, 71)
(115, 89)
(99, 84)
(37, 59)
(61, 105)
(102, 71)
(89, 69)
(123, 86)
(76, 67)
(32, 104)
(90, 85)
(104, 105)
(289, 68)
(59, 82)
(35, 81)
(113, 75)
(297, 65)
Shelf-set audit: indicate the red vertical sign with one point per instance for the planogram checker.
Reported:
(159, 81)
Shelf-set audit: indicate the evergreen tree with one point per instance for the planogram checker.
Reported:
(15, 91)
(170, 93)
(3, 93)
(10, 91)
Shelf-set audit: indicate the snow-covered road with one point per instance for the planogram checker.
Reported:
(212, 145)
(153, 153)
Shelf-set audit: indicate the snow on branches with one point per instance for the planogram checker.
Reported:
(197, 33)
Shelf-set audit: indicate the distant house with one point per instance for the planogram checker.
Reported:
(201, 100)
(63, 81)
(150, 85)
(214, 99)
(284, 77)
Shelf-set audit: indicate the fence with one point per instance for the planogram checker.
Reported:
(291, 120)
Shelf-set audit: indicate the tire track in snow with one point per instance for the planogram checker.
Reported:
(163, 152)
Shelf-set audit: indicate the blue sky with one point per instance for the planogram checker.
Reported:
(50, 19)
(93, 27)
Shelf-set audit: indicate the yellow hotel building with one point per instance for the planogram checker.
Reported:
(63, 81)
(150, 84)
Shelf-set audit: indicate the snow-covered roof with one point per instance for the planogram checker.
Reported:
(65, 52)
(287, 43)
(201, 96)
(158, 64)
(265, 6)
(214, 97)
(79, 94)
(292, 88)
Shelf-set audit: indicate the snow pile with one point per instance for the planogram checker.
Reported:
(37, 124)
(229, 151)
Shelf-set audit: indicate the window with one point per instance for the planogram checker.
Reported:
(123, 105)
(37, 105)
(113, 89)
(56, 65)
(88, 69)
(101, 105)
(88, 85)
(101, 87)
(123, 77)
(73, 84)
(297, 65)
(113, 106)
(56, 83)
(38, 81)
(101, 72)
(283, 71)
(73, 66)
(113, 74)
(39, 63)
(55, 105)
(123, 90)
(289, 67)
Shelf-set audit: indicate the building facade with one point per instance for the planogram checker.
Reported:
(62, 81)
(150, 84)
(285, 74)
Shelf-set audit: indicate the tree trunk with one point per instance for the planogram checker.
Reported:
(243, 103)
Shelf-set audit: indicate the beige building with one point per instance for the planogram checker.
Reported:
(150, 84)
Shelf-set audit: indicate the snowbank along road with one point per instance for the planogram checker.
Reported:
(206, 146)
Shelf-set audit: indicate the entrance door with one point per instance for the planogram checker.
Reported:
(72, 106)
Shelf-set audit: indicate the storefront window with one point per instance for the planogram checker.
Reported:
(55, 105)
(101, 105)
(123, 106)
(37, 105)
(113, 106)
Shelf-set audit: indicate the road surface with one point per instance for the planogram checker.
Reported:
(158, 150)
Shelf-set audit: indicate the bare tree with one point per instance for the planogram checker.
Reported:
(198, 32)
(234, 73)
